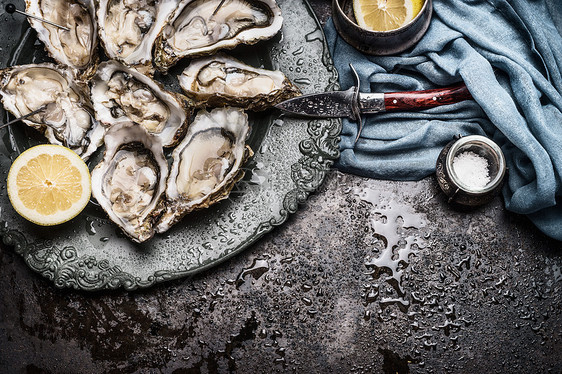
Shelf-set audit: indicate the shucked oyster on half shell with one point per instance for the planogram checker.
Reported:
(222, 80)
(195, 29)
(74, 48)
(128, 28)
(130, 181)
(67, 118)
(206, 164)
(123, 94)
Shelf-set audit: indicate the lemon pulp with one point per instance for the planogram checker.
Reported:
(49, 184)
(385, 15)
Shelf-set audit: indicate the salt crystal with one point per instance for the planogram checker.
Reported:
(472, 170)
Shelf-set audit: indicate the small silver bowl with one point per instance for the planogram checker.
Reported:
(379, 42)
(459, 192)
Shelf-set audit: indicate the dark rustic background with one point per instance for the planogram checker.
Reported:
(462, 292)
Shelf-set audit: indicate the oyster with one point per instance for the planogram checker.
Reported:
(123, 94)
(129, 28)
(131, 179)
(67, 117)
(221, 79)
(207, 163)
(201, 27)
(74, 48)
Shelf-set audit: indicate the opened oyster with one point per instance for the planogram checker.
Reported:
(207, 163)
(222, 80)
(76, 47)
(123, 94)
(67, 117)
(131, 179)
(201, 27)
(129, 28)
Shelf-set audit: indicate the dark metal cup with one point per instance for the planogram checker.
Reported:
(379, 42)
(457, 191)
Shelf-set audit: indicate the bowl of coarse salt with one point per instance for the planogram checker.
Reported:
(470, 170)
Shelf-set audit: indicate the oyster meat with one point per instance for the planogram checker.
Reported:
(128, 28)
(206, 164)
(220, 79)
(74, 48)
(67, 117)
(201, 27)
(130, 181)
(123, 94)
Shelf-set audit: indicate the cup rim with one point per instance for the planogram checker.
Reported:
(477, 140)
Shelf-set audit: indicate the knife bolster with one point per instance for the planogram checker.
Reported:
(371, 103)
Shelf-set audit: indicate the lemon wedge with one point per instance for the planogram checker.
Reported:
(385, 15)
(49, 184)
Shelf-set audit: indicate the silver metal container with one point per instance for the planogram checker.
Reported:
(460, 193)
(379, 42)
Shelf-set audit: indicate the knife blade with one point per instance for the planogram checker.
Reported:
(352, 103)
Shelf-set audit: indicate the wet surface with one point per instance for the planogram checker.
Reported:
(369, 276)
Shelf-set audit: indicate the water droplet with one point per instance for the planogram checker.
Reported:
(286, 260)
(315, 35)
(367, 315)
(258, 268)
(397, 238)
(303, 81)
(90, 229)
(298, 51)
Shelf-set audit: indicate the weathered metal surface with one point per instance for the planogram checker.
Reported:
(369, 276)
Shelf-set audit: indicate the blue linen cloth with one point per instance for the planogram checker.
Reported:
(509, 54)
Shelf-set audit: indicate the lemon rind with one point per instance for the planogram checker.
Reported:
(32, 215)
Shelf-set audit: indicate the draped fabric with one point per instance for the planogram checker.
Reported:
(509, 54)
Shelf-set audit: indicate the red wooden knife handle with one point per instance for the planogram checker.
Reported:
(414, 100)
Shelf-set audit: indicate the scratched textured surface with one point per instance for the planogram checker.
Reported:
(369, 276)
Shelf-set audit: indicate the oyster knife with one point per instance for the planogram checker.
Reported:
(352, 103)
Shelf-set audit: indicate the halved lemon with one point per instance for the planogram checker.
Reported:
(49, 184)
(385, 15)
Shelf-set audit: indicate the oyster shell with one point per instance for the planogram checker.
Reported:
(130, 181)
(196, 30)
(220, 79)
(67, 118)
(123, 94)
(129, 28)
(207, 163)
(74, 48)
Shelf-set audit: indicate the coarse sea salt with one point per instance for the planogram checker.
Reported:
(472, 170)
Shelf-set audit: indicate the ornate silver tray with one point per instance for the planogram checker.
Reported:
(292, 157)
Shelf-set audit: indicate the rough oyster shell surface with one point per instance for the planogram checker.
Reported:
(75, 48)
(221, 80)
(123, 94)
(206, 164)
(68, 115)
(130, 181)
(201, 27)
(129, 28)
